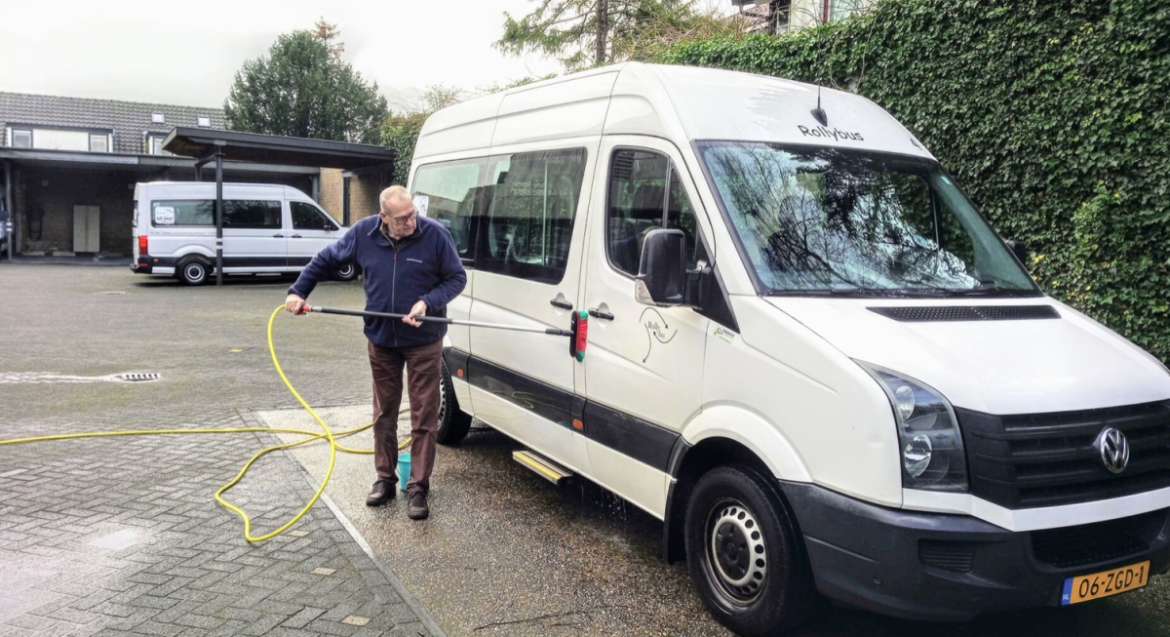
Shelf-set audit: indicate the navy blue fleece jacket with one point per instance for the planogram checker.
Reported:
(422, 266)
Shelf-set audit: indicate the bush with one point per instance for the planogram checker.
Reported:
(1052, 114)
(400, 132)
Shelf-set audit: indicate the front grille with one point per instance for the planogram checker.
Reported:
(1048, 459)
(1097, 543)
(949, 313)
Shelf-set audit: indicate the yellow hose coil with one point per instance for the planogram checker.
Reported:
(333, 446)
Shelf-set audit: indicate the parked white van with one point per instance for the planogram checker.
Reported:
(266, 229)
(808, 353)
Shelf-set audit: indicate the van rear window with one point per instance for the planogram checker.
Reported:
(237, 213)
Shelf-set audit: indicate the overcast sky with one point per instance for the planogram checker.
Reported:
(187, 53)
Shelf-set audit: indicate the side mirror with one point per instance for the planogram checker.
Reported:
(1019, 249)
(662, 272)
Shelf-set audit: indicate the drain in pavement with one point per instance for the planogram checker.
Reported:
(136, 377)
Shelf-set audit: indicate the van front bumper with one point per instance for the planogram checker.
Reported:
(941, 567)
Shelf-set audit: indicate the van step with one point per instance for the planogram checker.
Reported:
(542, 466)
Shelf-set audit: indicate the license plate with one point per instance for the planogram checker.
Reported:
(1106, 583)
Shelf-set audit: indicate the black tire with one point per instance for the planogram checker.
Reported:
(453, 423)
(734, 513)
(193, 271)
(347, 272)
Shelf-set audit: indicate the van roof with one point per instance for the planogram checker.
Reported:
(680, 103)
(196, 186)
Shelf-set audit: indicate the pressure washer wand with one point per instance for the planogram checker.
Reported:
(447, 321)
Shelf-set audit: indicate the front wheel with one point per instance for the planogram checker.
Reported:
(744, 554)
(453, 423)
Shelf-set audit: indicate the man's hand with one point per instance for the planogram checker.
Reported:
(296, 305)
(419, 309)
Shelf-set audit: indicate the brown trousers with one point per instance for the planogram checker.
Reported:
(423, 367)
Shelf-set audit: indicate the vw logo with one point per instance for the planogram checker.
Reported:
(1114, 449)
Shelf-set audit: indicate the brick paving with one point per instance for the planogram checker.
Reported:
(122, 536)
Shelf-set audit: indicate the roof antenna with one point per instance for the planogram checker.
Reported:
(819, 113)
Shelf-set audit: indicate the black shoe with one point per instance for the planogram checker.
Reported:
(418, 509)
(384, 491)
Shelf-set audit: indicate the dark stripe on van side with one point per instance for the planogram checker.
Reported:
(457, 363)
(544, 400)
(634, 437)
(228, 262)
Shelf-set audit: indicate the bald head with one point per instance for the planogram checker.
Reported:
(395, 196)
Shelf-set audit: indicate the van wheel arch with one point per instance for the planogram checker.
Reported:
(693, 463)
(193, 270)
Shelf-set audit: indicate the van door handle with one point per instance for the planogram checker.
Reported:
(564, 305)
(278, 236)
(297, 236)
(596, 313)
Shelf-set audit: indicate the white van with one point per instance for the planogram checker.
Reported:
(266, 229)
(808, 353)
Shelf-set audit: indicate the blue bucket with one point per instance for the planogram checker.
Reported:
(403, 470)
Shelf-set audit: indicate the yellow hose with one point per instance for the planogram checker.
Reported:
(333, 446)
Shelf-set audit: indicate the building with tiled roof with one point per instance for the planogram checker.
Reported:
(49, 121)
(68, 166)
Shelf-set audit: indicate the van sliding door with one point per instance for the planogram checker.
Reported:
(254, 238)
(527, 261)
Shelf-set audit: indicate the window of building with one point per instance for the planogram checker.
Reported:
(528, 223)
(21, 138)
(841, 9)
(158, 118)
(452, 189)
(306, 216)
(99, 143)
(154, 144)
(644, 194)
(204, 121)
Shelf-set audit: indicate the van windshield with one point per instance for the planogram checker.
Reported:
(816, 220)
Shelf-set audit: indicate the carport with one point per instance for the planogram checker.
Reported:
(216, 147)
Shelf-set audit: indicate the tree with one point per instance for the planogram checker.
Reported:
(596, 32)
(400, 129)
(327, 33)
(303, 89)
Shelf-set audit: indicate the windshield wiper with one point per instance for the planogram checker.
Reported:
(990, 288)
(843, 292)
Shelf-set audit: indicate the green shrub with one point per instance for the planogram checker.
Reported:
(1052, 114)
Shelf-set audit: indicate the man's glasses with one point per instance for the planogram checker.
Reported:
(404, 219)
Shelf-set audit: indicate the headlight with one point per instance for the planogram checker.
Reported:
(931, 444)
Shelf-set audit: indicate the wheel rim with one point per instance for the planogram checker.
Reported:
(736, 556)
(345, 271)
(443, 396)
(194, 272)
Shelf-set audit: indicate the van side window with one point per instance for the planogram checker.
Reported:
(182, 212)
(251, 214)
(528, 224)
(306, 216)
(452, 189)
(644, 194)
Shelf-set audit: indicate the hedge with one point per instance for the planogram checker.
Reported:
(1052, 115)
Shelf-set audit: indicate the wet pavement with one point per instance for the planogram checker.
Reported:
(121, 536)
(504, 552)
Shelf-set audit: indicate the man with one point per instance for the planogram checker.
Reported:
(411, 267)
